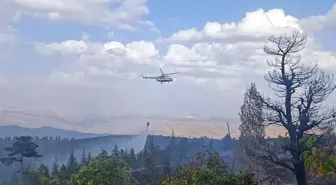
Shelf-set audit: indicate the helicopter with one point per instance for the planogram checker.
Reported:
(162, 78)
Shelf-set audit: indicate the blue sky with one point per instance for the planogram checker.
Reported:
(191, 13)
(48, 54)
(169, 16)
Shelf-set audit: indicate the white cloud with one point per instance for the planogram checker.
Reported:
(65, 47)
(7, 15)
(320, 22)
(124, 14)
(236, 48)
(255, 26)
(136, 51)
(96, 63)
(326, 59)
(209, 58)
(141, 51)
(112, 59)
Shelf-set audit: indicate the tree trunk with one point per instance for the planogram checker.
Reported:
(300, 173)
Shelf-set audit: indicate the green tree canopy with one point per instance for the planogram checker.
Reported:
(104, 170)
(320, 160)
(23, 147)
(208, 169)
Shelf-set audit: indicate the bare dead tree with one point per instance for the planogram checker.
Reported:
(301, 91)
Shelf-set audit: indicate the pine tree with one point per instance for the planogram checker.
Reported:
(140, 158)
(89, 158)
(115, 150)
(173, 140)
(124, 155)
(84, 158)
(183, 149)
(150, 172)
(44, 171)
(55, 168)
(63, 173)
(167, 168)
(171, 148)
(132, 159)
(122, 152)
(72, 163)
(103, 153)
(22, 148)
(210, 146)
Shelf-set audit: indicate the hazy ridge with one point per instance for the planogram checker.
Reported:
(45, 131)
(128, 125)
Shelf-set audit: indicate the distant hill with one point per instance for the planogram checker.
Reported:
(14, 130)
(212, 127)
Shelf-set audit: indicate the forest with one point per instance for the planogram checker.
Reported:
(305, 155)
(60, 149)
(160, 155)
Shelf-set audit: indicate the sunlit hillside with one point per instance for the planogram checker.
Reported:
(129, 124)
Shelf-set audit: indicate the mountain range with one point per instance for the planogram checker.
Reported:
(45, 131)
(59, 124)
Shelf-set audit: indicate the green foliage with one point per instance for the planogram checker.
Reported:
(104, 170)
(132, 160)
(167, 168)
(84, 157)
(22, 147)
(89, 157)
(55, 169)
(319, 160)
(63, 173)
(251, 114)
(103, 153)
(115, 150)
(150, 166)
(208, 170)
(37, 177)
(151, 159)
(72, 162)
(310, 142)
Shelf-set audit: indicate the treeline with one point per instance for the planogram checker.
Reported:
(153, 165)
(58, 138)
(60, 149)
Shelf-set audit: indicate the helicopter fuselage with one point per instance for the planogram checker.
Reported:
(163, 79)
